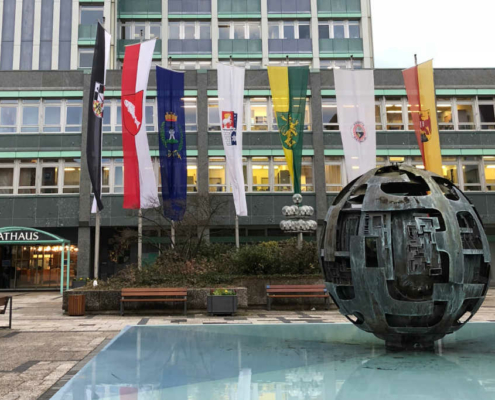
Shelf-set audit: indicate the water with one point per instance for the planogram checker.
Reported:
(283, 362)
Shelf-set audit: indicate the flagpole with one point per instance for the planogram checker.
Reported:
(415, 59)
(172, 233)
(97, 242)
(140, 239)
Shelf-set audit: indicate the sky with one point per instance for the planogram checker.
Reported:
(455, 33)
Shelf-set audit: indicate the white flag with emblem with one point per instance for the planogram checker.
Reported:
(231, 107)
(355, 92)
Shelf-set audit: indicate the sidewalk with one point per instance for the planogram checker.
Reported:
(44, 344)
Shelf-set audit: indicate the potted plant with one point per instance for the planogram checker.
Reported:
(79, 282)
(222, 302)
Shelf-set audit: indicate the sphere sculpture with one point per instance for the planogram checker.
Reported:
(405, 256)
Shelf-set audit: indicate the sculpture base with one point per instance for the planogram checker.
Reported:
(410, 343)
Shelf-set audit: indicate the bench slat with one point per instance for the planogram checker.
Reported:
(295, 286)
(153, 290)
(302, 295)
(138, 293)
(295, 290)
(133, 300)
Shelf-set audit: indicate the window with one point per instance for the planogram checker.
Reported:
(394, 114)
(105, 174)
(137, 30)
(378, 115)
(52, 116)
(307, 175)
(192, 174)
(90, 15)
(489, 164)
(260, 174)
(259, 114)
(338, 30)
(85, 58)
(282, 180)
(8, 116)
(289, 30)
(181, 65)
(329, 114)
(49, 176)
(471, 173)
(189, 30)
(465, 115)
(213, 115)
(73, 121)
(444, 114)
(333, 174)
(150, 115)
(273, 30)
(30, 116)
(72, 172)
(487, 114)
(118, 176)
(337, 64)
(304, 31)
(191, 116)
(324, 31)
(27, 177)
(354, 30)
(6, 177)
(240, 30)
(449, 169)
(216, 172)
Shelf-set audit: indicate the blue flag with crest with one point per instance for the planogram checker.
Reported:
(172, 142)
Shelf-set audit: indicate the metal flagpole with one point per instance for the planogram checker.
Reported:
(62, 269)
(68, 269)
(415, 59)
(172, 233)
(97, 243)
(140, 239)
(352, 62)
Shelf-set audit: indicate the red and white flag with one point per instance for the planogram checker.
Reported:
(140, 189)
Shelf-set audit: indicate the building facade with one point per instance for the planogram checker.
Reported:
(191, 34)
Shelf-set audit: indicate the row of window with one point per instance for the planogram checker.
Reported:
(261, 174)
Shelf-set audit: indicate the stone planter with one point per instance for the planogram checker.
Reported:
(222, 305)
(78, 284)
(77, 305)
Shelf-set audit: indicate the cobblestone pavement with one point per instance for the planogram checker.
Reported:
(45, 347)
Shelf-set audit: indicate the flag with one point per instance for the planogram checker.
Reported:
(355, 92)
(95, 114)
(172, 142)
(140, 188)
(289, 86)
(231, 109)
(420, 89)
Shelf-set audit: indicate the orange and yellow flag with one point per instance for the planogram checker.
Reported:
(421, 95)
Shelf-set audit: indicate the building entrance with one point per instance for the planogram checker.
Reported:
(34, 259)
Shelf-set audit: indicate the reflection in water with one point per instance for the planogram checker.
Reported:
(283, 362)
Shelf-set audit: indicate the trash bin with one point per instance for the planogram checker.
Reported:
(77, 304)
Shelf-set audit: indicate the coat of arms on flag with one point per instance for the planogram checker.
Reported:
(229, 127)
(132, 112)
(359, 131)
(425, 125)
(98, 99)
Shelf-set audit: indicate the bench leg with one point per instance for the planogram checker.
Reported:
(269, 303)
(121, 308)
(185, 306)
(10, 315)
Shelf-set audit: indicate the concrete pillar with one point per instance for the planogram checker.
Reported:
(110, 25)
(165, 33)
(74, 35)
(367, 34)
(319, 147)
(214, 33)
(264, 33)
(17, 35)
(55, 33)
(36, 35)
(314, 34)
(84, 259)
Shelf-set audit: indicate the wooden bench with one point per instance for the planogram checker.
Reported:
(154, 295)
(4, 302)
(295, 291)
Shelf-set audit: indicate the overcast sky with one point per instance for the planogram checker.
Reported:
(455, 33)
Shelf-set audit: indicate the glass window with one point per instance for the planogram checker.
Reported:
(30, 116)
(444, 114)
(73, 122)
(333, 174)
(6, 180)
(239, 31)
(139, 31)
(216, 172)
(150, 116)
(260, 174)
(450, 172)
(282, 181)
(471, 177)
(254, 31)
(289, 30)
(192, 175)
(189, 29)
(378, 116)
(307, 175)
(90, 15)
(204, 30)
(125, 31)
(8, 118)
(273, 30)
(85, 58)
(190, 112)
(155, 30)
(224, 31)
(489, 162)
(259, 114)
(329, 114)
(118, 117)
(51, 117)
(107, 116)
(394, 115)
(105, 175)
(49, 179)
(465, 114)
(338, 30)
(118, 184)
(354, 30)
(27, 180)
(304, 31)
(71, 178)
(174, 30)
(213, 116)
(324, 31)
(307, 116)
(487, 116)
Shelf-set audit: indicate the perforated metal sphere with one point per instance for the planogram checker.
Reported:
(405, 255)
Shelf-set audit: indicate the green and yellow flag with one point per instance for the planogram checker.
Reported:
(289, 86)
